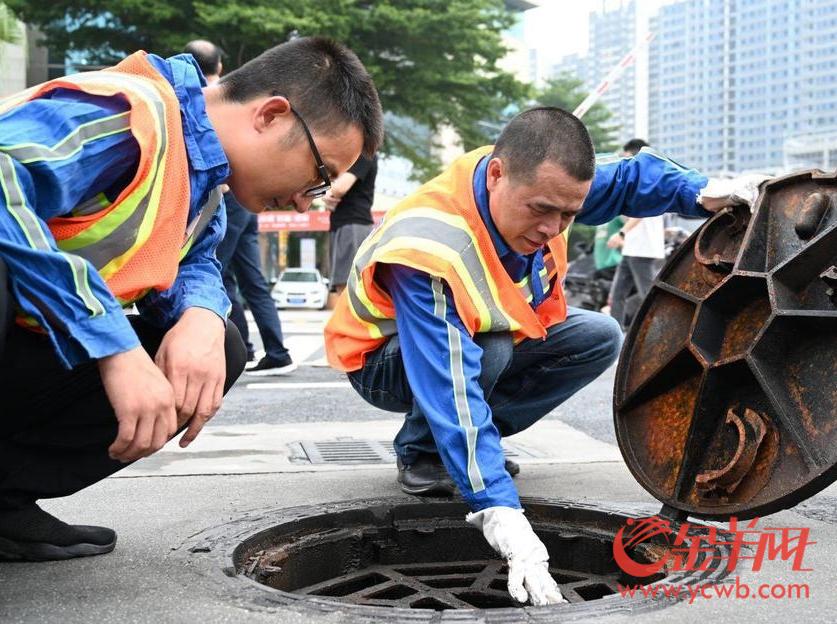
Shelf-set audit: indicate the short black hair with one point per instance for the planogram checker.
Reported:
(207, 55)
(546, 134)
(324, 81)
(633, 146)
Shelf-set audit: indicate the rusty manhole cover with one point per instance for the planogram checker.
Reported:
(725, 402)
(395, 558)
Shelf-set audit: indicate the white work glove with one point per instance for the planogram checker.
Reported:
(510, 534)
(720, 193)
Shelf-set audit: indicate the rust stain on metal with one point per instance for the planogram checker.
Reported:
(751, 431)
(743, 327)
(761, 344)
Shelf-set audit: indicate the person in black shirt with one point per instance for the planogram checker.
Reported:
(350, 200)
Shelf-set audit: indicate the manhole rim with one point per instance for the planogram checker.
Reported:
(217, 544)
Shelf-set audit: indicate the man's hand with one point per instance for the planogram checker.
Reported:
(615, 241)
(510, 534)
(191, 357)
(143, 401)
(718, 193)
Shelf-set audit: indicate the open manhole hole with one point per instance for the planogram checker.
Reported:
(379, 559)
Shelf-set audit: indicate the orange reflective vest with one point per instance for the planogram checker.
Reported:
(438, 230)
(136, 242)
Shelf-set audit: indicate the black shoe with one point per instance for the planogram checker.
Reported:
(31, 534)
(513, 468)
(272, 366)
(427, 476)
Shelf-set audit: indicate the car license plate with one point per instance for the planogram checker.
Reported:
(296, 299)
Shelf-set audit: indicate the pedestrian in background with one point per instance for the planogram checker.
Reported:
(238, 254)
(350, 200)
(642, 242)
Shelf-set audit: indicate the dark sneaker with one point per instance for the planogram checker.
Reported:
(426, 477)
(513, 468)
(31, 534)
(272, 366)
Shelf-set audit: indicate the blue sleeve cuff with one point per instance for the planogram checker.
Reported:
(96, 337)
(501, 493)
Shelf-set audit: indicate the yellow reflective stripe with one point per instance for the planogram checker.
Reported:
(357, 290)
(30, 225)
(73, 143)
(149, 189)
(460, 390)
(454, 221)
(544, 275)
(450, 256)
(525, 289)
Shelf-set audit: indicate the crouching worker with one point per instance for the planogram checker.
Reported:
(454, 313)
(109, 198)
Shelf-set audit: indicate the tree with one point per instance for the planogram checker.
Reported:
(566, 91)
(10, 31)
(434, 61)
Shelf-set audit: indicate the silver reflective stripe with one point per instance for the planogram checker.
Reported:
(525, 288)
(91, 206)
(120, 240)
(460, 394)
(31, 226)
(385, 326)
(201, 221)
(73, 142)
(544, 275)
(458, 241)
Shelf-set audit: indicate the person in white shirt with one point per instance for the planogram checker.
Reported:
(643, 246)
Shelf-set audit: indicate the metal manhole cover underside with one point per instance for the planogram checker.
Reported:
(360, 451)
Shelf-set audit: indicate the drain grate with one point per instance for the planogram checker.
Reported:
(359, 451)
(450, 585)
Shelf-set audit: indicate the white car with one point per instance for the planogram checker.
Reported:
(300, 288)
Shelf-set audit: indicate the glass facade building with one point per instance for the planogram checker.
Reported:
(731, 80)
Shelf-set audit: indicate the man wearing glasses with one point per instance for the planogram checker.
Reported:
(109, 197)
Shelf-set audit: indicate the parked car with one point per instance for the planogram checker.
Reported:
(300, 288)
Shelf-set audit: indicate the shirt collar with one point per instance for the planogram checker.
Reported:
(202, 144)
(481, 196)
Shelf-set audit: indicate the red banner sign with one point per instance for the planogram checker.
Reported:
(288, 220)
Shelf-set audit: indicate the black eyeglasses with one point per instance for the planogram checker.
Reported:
(320, 189)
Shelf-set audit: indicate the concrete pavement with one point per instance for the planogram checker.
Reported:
(248, 459)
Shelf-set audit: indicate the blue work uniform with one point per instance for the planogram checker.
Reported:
(643, 186)
(42, 280)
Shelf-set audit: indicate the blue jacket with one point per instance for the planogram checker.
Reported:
(643, 186)
(42, 281)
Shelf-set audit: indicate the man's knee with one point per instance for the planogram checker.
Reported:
(235, 353)
(607, 339)
(497, 351)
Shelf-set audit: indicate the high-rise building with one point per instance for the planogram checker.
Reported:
(612, 34)
(731, 80)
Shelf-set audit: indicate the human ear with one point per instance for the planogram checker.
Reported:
(271, 111)
(494, 173)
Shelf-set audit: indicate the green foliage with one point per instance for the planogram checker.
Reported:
(566, 91)
(434, 61)
(10, 31)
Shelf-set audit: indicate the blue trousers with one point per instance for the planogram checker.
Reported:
(238, 254)
(522, 383)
